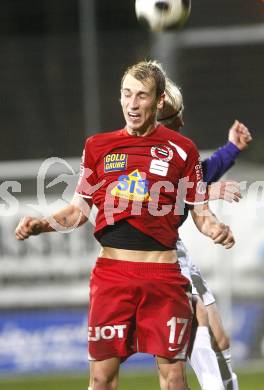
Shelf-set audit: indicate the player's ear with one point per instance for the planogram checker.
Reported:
(160, 102)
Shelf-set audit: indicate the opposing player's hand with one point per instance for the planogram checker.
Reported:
(221, 234)
(239, 135)
(27, 227)
(227, 190)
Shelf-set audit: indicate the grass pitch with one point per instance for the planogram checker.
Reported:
(247, 381)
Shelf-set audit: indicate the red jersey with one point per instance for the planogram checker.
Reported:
(141, 179)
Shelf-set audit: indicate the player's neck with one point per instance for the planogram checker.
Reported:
(142, 132)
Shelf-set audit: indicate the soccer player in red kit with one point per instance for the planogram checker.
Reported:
(139, 300)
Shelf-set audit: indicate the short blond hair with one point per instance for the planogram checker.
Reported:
(145, 70)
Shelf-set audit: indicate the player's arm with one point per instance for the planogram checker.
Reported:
(73, 215)
(215, 166)
(197, 200)
(208, 224)
(76, 213)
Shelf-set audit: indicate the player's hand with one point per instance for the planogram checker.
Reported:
(221, 234)
(227, 190)
(27, 227)
(239, 135)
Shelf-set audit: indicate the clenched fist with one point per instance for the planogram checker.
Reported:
(221, 234)
(239, 135)
(29, 226)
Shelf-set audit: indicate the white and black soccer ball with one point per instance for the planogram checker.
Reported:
(161, 15)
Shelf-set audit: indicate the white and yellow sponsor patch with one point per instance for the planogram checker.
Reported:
(132, 186)
(115, 162)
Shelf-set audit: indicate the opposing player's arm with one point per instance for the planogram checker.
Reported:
(73, 215)
(228, 190)
(208, 224)
(216, 165)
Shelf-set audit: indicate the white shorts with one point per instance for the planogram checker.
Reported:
(201, 286)
(193, 273)
(185, 263)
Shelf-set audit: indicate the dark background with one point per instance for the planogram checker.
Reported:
(60, 78)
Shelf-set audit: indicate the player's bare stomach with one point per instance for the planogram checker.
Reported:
(169, 256)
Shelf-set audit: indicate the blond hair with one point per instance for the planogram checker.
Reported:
(145, 70)
(173, 103)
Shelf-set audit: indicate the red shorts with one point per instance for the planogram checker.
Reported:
(138, 307)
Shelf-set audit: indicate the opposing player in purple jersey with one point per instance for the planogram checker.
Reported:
(213, 168)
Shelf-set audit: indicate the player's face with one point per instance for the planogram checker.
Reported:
(139, 104)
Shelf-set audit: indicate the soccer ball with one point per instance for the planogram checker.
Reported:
(160, 15)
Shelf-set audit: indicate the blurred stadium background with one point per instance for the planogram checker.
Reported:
(60, 69)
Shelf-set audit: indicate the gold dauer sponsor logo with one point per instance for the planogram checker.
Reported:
(115, 162)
